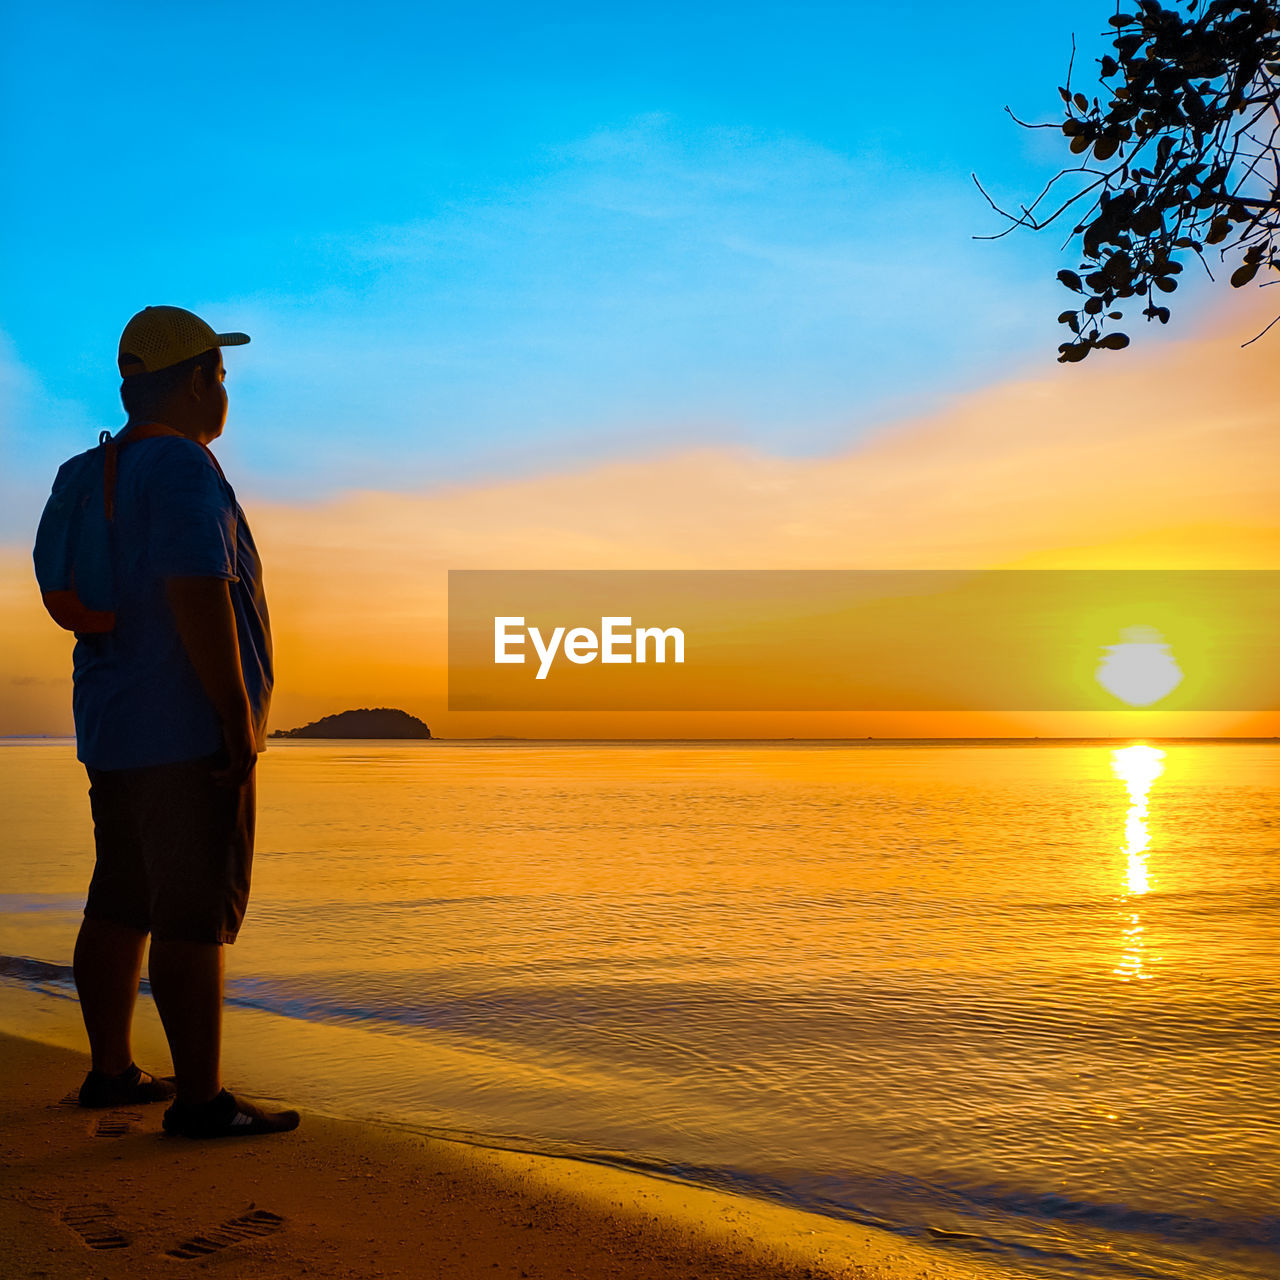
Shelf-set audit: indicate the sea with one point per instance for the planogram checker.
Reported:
(1017, 1000)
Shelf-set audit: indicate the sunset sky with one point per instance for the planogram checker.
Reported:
(592, 287)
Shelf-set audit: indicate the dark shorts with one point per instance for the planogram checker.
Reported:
(175, 849)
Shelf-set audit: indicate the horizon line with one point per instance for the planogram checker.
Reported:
(1131, 738)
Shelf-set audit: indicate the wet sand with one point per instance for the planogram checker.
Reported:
(106, 1194)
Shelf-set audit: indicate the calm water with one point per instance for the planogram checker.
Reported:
(1017, 1000)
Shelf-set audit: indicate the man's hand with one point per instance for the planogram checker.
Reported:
(206, 623)
(242, 753)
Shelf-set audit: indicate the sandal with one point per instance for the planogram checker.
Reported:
(133, 1085)
(226, 1116)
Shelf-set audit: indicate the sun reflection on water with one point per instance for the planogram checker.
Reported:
(1138, 767)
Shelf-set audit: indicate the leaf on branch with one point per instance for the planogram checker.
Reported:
(1071, 352)
(1105, 147)
(1070, 279)
(1219, 229)
(1242, 275)
(1146, 221)
(1166, 284)
(1114, 341)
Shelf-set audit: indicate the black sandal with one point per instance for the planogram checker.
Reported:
(226, 1116)
(131, 1086)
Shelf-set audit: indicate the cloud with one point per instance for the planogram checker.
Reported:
(644, 280)
(633, 289)
(1159, 458)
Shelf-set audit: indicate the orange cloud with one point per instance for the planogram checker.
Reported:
(1167, 457)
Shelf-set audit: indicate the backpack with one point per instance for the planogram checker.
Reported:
(74, 541)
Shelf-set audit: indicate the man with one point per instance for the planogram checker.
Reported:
(170, 711)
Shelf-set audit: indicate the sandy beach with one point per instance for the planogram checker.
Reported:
(106, 1194)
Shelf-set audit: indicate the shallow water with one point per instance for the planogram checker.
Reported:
(1019, 1000)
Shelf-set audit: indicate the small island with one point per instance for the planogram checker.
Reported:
(375, 722)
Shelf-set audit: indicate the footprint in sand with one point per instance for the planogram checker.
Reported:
(95, 1224)
(248, 1226)
(117, 1124)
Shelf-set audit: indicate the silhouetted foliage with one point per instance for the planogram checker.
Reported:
(1189, 117)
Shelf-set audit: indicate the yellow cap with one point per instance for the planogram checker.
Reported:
(160, 336)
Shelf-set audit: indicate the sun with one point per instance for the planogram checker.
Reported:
(1141, 669)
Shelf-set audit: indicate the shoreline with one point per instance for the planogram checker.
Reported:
(343, 1199)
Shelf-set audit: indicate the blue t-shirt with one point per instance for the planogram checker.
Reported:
(137, 699)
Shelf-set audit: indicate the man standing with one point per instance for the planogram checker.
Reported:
(170, 710)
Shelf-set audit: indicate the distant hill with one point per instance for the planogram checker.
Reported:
(376, 722)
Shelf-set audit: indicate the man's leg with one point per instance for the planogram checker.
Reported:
(186, 981)
(108, 955)
(107, 966)
(199, 852)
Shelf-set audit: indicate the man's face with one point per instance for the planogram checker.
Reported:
(212, 401)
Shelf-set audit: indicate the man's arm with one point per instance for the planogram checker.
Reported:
(206, 623)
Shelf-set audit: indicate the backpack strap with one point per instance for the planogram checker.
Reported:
(110, 454)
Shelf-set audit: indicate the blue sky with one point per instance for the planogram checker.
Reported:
(489, 239)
